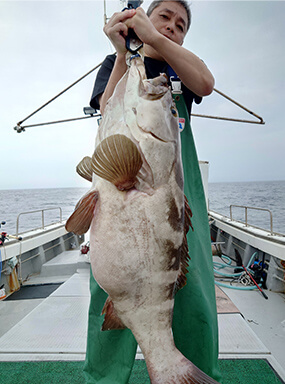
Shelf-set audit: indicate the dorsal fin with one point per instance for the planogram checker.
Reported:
(184, 261)
(111, 321)
(80, 221)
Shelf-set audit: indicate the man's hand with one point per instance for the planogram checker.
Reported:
(142, 26)
(117, 30)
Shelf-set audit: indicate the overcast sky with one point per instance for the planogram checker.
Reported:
(47, 45)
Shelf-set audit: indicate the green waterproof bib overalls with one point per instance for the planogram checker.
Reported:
(110, 354)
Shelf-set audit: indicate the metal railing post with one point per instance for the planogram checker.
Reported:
(231, 213)
(271, 222)
(246, 215)
(17, 225)
(42, 217)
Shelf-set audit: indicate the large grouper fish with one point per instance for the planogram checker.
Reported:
(138, 218)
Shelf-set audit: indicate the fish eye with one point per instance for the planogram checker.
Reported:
(174, 112)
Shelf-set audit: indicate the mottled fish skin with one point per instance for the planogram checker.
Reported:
(136, 235)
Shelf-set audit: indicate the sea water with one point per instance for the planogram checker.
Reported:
(268, 195)
(15, 203)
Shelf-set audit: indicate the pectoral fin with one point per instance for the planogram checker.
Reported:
(111, 321)
(84, 168)
(80, 221)
(118, 160)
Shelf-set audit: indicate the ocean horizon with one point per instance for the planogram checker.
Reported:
(260, 194)
(210, 182)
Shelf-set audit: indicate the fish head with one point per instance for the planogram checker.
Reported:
(152, 118)
(151, 102)
(140, 111)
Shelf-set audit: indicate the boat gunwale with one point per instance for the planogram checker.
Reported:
(251, 229)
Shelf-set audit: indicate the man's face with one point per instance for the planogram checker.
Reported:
(170, 19)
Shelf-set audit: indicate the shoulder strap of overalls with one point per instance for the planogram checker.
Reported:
(174, 81)
(178, 98)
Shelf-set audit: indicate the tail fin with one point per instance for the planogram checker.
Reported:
(177, 371)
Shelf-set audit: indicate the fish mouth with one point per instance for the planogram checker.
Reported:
(153, 96)
(154, 89)
(157, 137)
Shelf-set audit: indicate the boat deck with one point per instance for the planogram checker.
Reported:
(55, 327)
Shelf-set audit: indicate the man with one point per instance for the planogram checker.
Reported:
(110, 355)
(162, 34)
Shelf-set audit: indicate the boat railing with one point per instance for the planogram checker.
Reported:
(246, 208)
(42, 211)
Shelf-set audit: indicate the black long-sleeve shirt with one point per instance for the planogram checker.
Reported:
(153, 69)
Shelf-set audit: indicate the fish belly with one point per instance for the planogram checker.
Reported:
(133, 242)
(134, 251)
(135, 259)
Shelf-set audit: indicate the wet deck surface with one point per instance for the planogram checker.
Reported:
(224, 303)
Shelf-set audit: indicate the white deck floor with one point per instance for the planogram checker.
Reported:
(55, 328)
